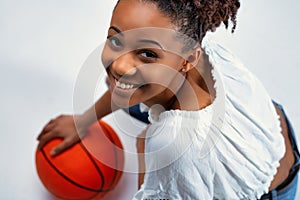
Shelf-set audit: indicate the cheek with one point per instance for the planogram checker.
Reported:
(105, 58)
(108, 56)
(161, 76)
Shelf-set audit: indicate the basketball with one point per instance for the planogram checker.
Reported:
(87, 170)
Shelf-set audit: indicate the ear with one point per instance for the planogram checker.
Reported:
(193, 58)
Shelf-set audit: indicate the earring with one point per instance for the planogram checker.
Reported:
(184, 64)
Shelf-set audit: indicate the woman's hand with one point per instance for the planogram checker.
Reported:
(62, 127)
(65, 127)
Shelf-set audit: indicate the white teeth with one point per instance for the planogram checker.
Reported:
(123, 85)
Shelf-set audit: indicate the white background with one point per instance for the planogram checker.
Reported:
(43, 45)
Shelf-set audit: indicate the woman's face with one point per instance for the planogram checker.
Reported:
(142, 55)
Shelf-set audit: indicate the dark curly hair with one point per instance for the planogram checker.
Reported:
(194, 18)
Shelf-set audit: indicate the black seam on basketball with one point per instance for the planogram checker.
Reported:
(116, 156)
(95, 165)
(116, 172)
(67, 178)
(58, 196)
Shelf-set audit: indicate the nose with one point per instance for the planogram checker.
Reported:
(124, 65)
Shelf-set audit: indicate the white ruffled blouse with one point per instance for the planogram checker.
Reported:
(228, 150)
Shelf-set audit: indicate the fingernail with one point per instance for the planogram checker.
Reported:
(53, 153)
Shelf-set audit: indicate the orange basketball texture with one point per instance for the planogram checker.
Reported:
(87, 170)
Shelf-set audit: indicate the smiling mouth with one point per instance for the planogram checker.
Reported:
(126, 86)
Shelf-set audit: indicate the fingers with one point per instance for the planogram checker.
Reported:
(49, 126)
(61, 127)
(63, 146)
(45, 138)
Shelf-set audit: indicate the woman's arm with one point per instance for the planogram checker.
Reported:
(99, 110)
(140, 146)
(73, 127)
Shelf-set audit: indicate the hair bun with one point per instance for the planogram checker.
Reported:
(194, 18)
(214, 12)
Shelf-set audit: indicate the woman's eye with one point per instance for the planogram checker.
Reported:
(114, 41)
(148, 54)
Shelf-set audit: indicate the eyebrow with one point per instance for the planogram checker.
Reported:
(142, 40)
(152, 42)
(116, 29)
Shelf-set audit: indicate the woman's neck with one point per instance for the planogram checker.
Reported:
(198, 90)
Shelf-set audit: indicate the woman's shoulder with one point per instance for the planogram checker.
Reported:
(238, 87)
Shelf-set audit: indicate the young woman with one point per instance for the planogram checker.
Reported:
(214, 131)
